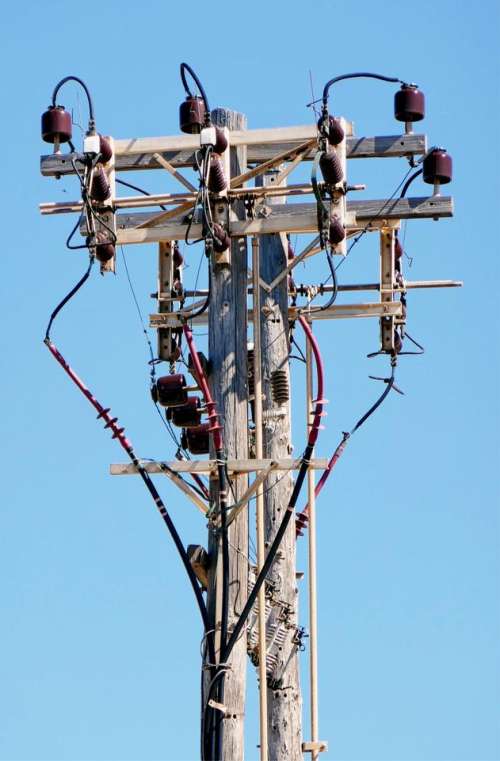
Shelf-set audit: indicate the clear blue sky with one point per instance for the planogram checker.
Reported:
(99, 660)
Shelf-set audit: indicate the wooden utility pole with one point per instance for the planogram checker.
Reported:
(269, 629)
(228, 381)
(284, 696)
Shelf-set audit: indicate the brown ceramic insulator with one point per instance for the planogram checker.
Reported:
(280, 387)
(216, 178)
(398, 342)
(336, 231)
(187, 416)
(398, 249)
(409, 104)
(220, 140)
(56, 125)
(438, 167)
(192, 115)
(198, 439)
(290, 252)
(177, 257)
(171, 390)
(104, 252)
(335, 132)
(100, 189)
(222, 240)
(105, 149)
(331, 168)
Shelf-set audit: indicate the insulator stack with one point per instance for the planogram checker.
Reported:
(197, 440)
(398, 342)
(187, 416)
(336, 230)
(105, 249)
(192, 115)
(220, 140)
(105, 149)
(301, 521)
(222, 240)
(177, 257)
(56, 125)
(409, 104)
(216, 178)
(438, 167)
(100, 189)
(171, 390)
(398, 248)
(331, 168)
(290, 252)
(280, 388)
(334, 130)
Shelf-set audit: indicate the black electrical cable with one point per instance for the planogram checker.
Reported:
(69, 296)
(364, 418)
(139, 190)
(87, 93)
(304, 466)
(356, 75)
(185, 67)
(118, 433)
(410, 180)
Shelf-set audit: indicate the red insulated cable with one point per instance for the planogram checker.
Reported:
(319, 401)
(103, 412)
(205, 390)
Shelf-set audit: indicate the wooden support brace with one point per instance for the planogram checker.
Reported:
(210, 466)
(137, 153)
(320, 746)
(258, 480)
(184, 487)
(275, 161)
(173, 171)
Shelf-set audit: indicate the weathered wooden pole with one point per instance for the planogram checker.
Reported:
(284, 702)
(227, 329)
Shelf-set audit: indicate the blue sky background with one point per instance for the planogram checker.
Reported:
(99, 659)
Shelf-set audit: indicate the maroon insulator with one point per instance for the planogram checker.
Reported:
(104, 252)
(192, 114)
(438, 167)
(331, 168)
(197, 439)
(105, 149)
(56, 125)
(222, 240)
(220, 140)
(187, 416)
(177, 287)
(290, 252)
(398, 342)
(171, 390)
(177, 256)
(100, 189)
(398, 249)
(335, 132)
(336, 231)
(409, 104)
(216, 178)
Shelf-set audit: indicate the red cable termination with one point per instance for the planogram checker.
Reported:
(213, 417)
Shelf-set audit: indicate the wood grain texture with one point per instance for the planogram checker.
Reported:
(285, 703)
(294, 218)
(385, 146)
(228, 382)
